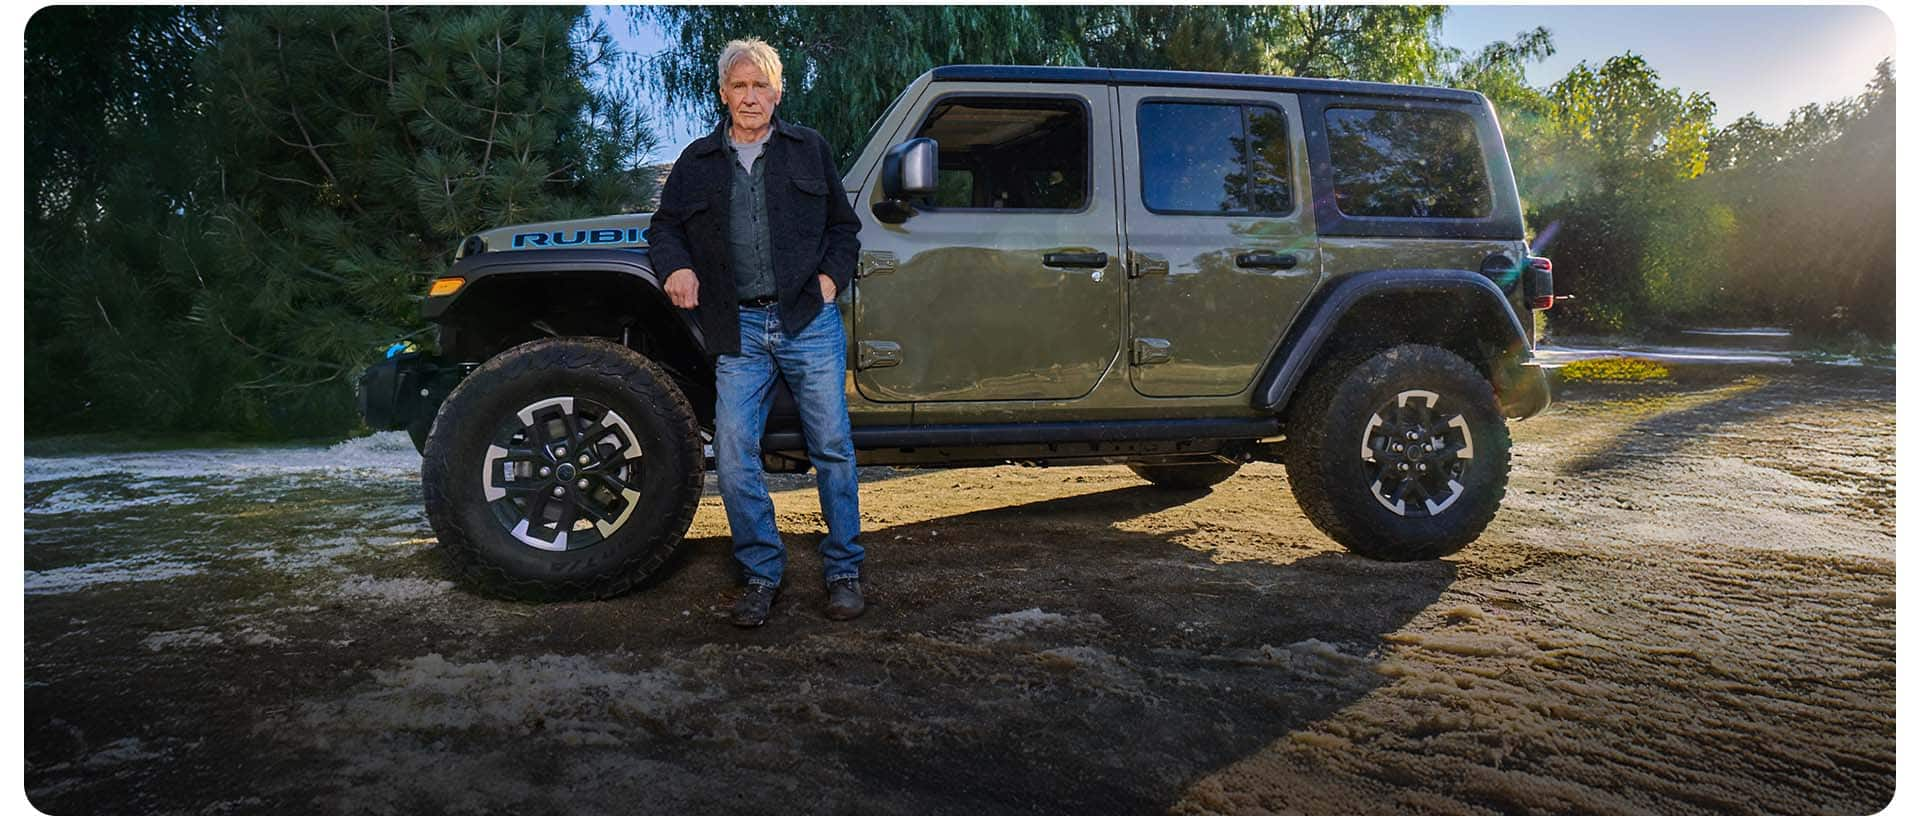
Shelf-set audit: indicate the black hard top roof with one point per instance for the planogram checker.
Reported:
(1192, 79)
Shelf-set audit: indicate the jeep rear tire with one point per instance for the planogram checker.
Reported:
(1399, 456)
(563, 469)
(1185, 476)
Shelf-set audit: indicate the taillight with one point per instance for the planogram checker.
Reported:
(1539, 282)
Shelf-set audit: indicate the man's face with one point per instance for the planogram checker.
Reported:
(750, 97)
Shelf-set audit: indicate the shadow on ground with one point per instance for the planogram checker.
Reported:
(1065, 655)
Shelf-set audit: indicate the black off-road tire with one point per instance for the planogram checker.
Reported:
(1338, 447)
(460, 469)
(1185, 476)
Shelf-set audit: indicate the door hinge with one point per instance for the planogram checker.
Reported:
(879, 354)
(876, 263)
(1152, 351)
(1145, 264)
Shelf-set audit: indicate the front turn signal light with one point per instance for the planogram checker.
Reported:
(447, 286)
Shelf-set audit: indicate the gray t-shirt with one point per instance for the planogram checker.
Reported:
(749, 151)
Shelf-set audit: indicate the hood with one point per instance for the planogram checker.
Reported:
(617, 231)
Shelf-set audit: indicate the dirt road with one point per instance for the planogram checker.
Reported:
(1686, 605)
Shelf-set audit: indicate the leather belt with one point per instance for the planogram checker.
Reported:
(760, 302)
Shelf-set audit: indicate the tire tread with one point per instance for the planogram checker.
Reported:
(650, 385)
(1326, 397)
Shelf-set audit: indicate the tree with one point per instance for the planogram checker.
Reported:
(1815, 203)
(1619, 145)
(112, 105)
(1499, 70)
(329, 160)
(842, 66)
(1621, 126)
(841, 74)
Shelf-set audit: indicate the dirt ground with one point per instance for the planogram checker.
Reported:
(1686, 605)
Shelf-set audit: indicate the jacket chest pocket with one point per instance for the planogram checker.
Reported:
(809, 198)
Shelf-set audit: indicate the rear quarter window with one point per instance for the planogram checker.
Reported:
(1424, 164)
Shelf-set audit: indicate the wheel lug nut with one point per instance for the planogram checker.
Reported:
(1403, 467)
(1423, 468)
(560, 451)
(582, 485)
(583, 458)
(559, 491)
(1413, 435)
(546, 471)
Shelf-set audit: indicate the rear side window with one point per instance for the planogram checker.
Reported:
(1399, 163)
(1010, 154)
(1209, 158)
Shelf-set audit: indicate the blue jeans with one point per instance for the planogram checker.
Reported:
(814, 362)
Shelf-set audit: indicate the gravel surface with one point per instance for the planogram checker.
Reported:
(1686, 605)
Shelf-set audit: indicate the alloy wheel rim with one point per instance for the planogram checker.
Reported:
(562, 473)
(1417, 453)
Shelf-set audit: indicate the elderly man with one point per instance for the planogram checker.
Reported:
(756, 230)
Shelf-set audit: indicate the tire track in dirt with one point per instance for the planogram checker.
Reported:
(1685, 606)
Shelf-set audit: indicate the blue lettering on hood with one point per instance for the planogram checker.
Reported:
(590, 236)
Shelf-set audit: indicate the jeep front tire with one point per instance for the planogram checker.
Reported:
(1399, 456)
(565, 468)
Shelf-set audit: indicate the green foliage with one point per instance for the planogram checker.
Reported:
(105, 178)
(1655, 219)
(1815, 204)
(1379, 43)
(325, 163)
(1614, 370)
(843, 65)
(1616, 128)
(229, 210)
(1685, 267)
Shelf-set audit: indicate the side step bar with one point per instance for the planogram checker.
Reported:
(984, 435)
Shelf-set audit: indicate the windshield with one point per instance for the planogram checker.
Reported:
(853, 151)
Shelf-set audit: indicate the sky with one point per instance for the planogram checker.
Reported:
(1765, 59)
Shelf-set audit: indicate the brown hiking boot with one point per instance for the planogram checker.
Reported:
(844, 601)
(754, 605)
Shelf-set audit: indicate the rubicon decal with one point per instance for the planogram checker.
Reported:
(591, 236)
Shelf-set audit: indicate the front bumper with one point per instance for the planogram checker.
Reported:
(405, 389)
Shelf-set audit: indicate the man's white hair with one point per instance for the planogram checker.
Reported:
(756, 51)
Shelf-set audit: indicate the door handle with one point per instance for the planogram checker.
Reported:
(1267, 261)
(1075, 260)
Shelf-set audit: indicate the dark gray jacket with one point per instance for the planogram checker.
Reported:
(815, 229)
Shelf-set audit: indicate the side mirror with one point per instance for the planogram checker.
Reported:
(908, 170)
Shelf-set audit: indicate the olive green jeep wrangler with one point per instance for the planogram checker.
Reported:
(1179, 272)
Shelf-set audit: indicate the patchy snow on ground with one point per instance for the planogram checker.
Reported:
(1685, 606)
(119, 571)
(1008, 625)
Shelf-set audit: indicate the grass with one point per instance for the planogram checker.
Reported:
(1614, 370)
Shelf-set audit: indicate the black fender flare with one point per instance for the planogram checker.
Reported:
(632, 264)
(1518, 381)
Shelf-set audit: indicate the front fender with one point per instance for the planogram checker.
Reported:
(1517, 380)
(500, 283)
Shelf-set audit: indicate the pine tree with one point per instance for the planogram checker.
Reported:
(326, 163)
(844, 65)
(112, 110)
